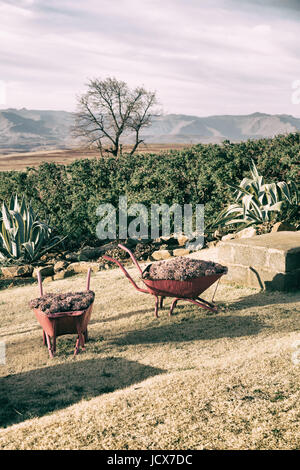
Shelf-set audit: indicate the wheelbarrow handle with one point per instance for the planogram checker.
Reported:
(132, 257)
(108, 258)
(88, 279)
(40, 281)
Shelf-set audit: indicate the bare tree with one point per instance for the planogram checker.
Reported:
(110, 109)
(141, 116)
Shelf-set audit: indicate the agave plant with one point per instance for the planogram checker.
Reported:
(22, 234)
(259, 203)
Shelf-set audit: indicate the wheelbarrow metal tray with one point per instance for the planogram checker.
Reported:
(62, 323)
(187, 290)
(191, 288)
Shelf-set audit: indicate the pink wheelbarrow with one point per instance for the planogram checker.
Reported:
(63, 323)
(188, 290)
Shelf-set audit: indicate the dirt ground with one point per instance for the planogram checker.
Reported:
(19, 161)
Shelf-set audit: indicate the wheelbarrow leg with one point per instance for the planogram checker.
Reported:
(82, 342)
(203, 303)
(211, 306)
(200, 302)
(79, 342)
(54, 344)
(77, 346)
(49, 346)
(54, 338)
(86, 335)
(80, 338)
(173, 305)
(156, 307)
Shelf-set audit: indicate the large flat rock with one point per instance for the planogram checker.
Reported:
(283, 241)
(270, 261)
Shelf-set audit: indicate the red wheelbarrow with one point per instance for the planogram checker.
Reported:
(63, 323)
(188, 290)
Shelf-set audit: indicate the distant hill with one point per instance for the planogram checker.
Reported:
(193, 129)
(28, 130)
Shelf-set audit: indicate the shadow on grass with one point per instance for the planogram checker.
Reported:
(38, 392)
(15, 282)
(264, 298)
(191, 329)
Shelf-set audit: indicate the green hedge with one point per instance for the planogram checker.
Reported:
(67, 196)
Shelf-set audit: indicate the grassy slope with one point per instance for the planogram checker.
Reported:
(191, 381)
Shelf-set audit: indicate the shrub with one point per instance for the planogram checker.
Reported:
(22, 235)
(259, 203)
(67, 196)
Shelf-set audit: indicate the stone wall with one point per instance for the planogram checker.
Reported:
(270, 261)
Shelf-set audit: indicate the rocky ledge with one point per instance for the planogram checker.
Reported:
(55, 266)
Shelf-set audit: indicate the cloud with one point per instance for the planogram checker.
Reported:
(262, 29)
(201, 57)
(281, 5)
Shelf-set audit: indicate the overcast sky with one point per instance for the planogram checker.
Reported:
(202, 57)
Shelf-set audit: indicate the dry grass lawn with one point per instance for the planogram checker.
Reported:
(192, 381)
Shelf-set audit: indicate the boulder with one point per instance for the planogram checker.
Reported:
(283, 227)
(88, 252)
(44, 270)
(71, 256)
(182, 240)
(82, 267)
(218, 234)
(212, 244)
(229, 236)
(143, 250)
(165, 241)
(50, 258)
(112, 245)
(60, 266)
(61, 275)
(248, 232)
(181, 252)
(166, 238)
(161, 254)
(16, 271)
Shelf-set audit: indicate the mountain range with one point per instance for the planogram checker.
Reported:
(24, 130)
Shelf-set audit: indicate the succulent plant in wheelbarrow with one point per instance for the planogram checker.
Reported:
(23, 237)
